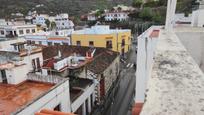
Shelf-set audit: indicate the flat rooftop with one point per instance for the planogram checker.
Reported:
(77, 87)
(99, 30)
(13, 97)
(176, 83)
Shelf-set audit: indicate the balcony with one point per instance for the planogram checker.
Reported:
(168, 76)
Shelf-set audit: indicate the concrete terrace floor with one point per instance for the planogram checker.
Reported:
(176, 84)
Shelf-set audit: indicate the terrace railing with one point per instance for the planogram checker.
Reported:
(42, 78)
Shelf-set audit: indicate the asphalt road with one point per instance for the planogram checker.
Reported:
(123, 100)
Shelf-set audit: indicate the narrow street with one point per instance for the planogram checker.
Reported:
(123, 100)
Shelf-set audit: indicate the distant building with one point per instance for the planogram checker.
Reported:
(119, 13)
(20, 30)
(201, 4)
(91, 17)
(62, 22)
(3, 22)
(181, 19)
(102, 36)
(198, 18)
(116, 15)
(40, 19)
(56, 37)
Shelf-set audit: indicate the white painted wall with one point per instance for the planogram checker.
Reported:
(59, 95)
(17, 74)
(7, 44)
(198, 18)
(145, 53)
(28, 60)
(82, 98)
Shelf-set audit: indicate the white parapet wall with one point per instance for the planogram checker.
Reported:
(146, 46)
(175, 84)
(59, 94)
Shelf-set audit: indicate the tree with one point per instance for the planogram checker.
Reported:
(146, 14)
(99, 13)
(157, 18)
(137, 3)
(53, 25)
(47, 22)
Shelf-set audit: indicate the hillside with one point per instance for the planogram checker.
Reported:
(52, 7)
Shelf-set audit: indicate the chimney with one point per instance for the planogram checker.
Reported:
(90, 53)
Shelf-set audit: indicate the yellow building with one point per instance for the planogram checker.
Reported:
(103, 36)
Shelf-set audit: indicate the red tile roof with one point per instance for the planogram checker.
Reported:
(12, 97)
(57, 39)
(49, 63)
(51, 112)
(154, 34)
(101, 60)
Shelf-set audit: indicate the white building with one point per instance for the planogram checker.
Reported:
(58, 37)
(198, 18)
(17, 30)
(201, 4)
(40, 19)
(91, 17)
(62, 22)
(19, 60)
(118, 15)
(181, 19)
(3, 22)
(20, 65)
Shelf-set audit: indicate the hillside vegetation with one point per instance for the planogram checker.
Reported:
(52, 7)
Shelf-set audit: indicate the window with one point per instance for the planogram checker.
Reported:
(28, 42)
(64, 43)
(27, 31)
(56, 44)
(49, 43)
(57, 33)
(109, 44)
(57, 108)
(2, 32)
(91, 43)
(78, 43)
(21, 32)
(123, 42)
(40, 42)
(15, 47)
(33, 42)
(33, 30)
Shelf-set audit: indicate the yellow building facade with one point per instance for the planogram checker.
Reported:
(116, 40)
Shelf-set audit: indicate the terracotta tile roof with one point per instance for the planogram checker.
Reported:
(51, 112)
(49, 63)
(12, 97)
(52, 51)
(57, 39)
(102, 61)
